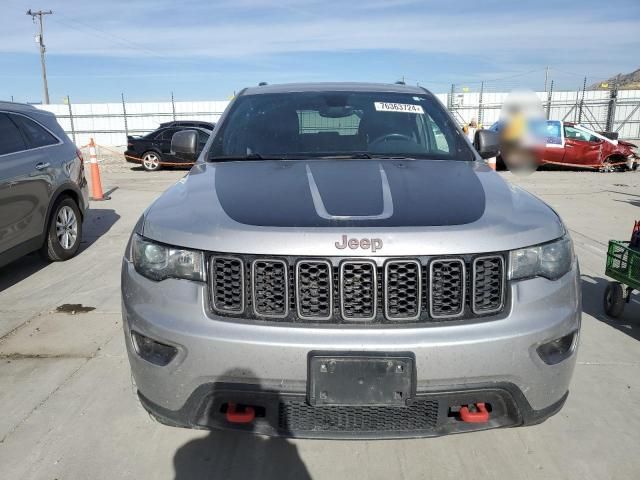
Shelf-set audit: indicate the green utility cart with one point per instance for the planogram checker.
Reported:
(623, 265)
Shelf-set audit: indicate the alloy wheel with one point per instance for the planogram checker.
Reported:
(66, 227)
(151, 161)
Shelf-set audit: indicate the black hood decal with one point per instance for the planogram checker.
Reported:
(350, 193)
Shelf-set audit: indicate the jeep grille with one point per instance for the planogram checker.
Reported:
(227, 284)
(269, 283)
(447, 288)
(358, 290)
(348, 290)
(402, 289)
(314, 288)
(488, 277)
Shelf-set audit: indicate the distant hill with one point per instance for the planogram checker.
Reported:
(627, 81)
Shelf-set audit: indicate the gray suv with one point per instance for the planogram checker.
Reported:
(43, 190)
(341, 262)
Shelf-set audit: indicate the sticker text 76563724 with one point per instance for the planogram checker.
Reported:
(398, 107)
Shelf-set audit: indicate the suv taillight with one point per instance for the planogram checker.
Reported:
(80, 157)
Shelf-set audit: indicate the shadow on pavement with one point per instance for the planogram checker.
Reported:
(241, 455)
(635, 203)
(592, 304)
(97, 222)
(20, 269)
(227, 454)
(631, 201)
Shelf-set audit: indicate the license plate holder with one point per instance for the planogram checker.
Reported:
(360, 379)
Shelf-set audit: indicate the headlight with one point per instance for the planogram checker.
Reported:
(550, 260)
(157, 261)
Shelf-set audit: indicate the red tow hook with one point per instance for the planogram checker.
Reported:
(480, 415)
(247, 415)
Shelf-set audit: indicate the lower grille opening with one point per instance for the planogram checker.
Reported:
(289, 414)
(300, 416)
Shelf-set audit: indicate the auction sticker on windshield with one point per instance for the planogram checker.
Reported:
(398, 107)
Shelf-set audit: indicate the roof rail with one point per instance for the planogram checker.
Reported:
(21, 104)
(262, 84)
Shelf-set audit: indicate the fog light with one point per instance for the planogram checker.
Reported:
(557, 350)
(152, 351)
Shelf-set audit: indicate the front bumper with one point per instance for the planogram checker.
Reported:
(288, 414)
(220, 360)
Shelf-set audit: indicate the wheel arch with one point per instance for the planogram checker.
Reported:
(152, 150)
(614, 157)
(68, 190)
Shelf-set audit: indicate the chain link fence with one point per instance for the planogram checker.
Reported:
(602, 108)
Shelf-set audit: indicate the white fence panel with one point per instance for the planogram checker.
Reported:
(105, 122)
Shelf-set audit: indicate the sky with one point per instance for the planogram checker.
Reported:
(207, 50)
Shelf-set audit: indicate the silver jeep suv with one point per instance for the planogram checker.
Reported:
(341, 262)
(43, 189)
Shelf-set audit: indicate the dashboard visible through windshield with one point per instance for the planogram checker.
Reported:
(338, 124)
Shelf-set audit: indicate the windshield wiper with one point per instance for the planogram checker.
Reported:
(365, 155)
(339, 156)
(249, 156)
(306, 156)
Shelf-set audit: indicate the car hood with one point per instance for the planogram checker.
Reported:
(306, 207)
(624, 143)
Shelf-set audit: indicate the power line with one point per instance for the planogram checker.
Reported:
(40, 41)
(478, 82)
(79, 26)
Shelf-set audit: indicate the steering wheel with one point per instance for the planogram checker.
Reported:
(392, 137)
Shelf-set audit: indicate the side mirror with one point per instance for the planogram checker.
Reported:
(487, 143)
(185, 143)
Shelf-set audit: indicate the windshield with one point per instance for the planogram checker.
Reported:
(337, 124)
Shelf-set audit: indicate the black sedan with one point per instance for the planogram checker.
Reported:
(153, 150)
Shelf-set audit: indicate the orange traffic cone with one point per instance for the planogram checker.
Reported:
(96, 183)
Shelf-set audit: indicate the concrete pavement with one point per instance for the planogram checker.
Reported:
(69, 411)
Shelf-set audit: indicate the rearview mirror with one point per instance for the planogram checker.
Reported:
(336, 111)
(185, 143)
(487, 143)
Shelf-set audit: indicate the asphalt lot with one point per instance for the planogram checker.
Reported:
(69, 411)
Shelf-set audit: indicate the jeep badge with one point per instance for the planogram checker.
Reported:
(364, 243)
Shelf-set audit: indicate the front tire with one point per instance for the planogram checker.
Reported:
(64, 231)
(612, 164)
(151, 161)
(614, 299)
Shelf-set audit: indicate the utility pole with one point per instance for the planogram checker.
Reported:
(40, 41)
(546, 77)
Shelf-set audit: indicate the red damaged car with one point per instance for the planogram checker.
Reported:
(572, 144)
